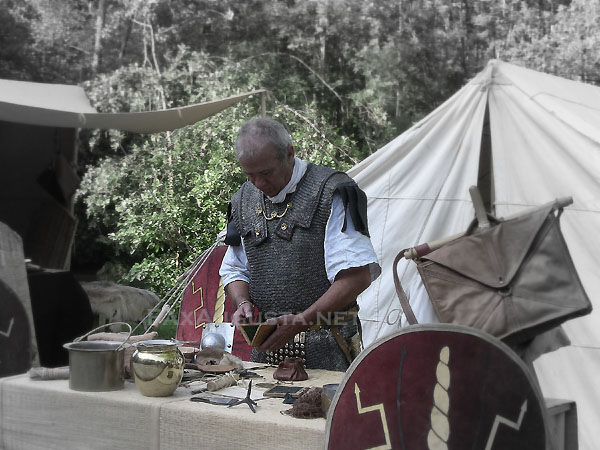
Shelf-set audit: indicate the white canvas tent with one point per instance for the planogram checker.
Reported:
(544, 135)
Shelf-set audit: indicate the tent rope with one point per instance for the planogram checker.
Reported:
(175, 294)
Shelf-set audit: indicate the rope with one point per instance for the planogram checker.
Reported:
(175, 293)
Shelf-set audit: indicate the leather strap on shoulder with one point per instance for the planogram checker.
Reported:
(355, 202)
(233, 236)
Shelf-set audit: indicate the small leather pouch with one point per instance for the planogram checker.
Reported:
(291, 369)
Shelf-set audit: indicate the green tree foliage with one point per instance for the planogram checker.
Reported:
(372, 67)
(164, 200)
(15, 43)
(57, 38)
(345, 75)
(568, 45)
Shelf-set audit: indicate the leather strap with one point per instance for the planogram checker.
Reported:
(342, 317)
(408, 312)
(335, 330)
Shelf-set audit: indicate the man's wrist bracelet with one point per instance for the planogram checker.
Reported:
(242, 302)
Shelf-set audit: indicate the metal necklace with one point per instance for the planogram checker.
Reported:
(274, 214)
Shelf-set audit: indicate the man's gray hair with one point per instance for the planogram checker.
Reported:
(256, 131)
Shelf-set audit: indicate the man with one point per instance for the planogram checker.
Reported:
(299, 250)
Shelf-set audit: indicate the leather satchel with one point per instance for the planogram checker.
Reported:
(514, 279)
(290, 369)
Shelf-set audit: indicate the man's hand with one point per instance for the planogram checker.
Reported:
(238, 293)
(287, 327)
(243, 314)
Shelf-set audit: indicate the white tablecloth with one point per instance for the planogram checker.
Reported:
(37, 414)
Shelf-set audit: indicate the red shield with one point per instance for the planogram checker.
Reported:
(437, 387)
(204, 301)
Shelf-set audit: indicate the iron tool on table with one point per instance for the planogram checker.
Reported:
(248, 400)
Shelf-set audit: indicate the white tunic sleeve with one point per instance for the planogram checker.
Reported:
(235, 265)
(346, 249)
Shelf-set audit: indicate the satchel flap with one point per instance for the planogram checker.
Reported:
(494, 255)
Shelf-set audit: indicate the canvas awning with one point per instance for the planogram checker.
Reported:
(67, 106)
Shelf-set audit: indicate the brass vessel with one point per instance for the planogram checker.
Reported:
(157, 367)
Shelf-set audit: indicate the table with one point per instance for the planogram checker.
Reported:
(48, 415)
(36, 414)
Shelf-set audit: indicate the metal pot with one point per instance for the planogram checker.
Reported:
(157, 367)
(96, 366)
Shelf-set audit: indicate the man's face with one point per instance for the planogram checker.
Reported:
(265, 171)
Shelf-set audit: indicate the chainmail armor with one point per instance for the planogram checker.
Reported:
(286, 256)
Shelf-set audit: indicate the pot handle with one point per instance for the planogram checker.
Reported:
(103, 326)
